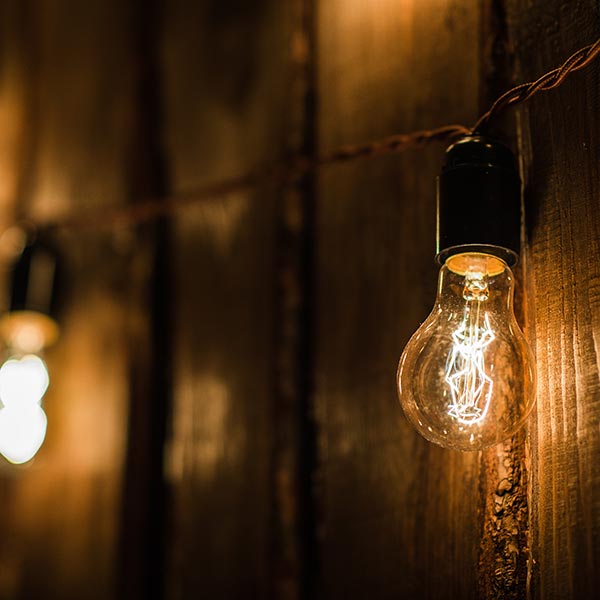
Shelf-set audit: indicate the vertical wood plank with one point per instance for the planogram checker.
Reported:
(61, 515)
(504, 553)
(400, 517)
(225, 92)
(140, 565)
(560, 147)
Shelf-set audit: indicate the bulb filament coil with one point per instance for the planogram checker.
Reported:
(470, 385)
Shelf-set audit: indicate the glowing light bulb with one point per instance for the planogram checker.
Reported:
(466, 377)
(23, 383)
(23, 380)
(26, 329)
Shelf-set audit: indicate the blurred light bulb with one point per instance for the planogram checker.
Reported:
(22, 432)
(23, 383)
(466, 377)
(26, 329)
(23, 380)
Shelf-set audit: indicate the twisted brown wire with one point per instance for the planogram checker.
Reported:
(548, 81)
(290, 170)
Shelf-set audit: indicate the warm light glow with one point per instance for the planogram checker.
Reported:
(466, 379)
(23, 382)
(28, 331)
(470, 386)
(22, 432)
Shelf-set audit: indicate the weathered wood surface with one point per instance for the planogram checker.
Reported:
(400, 517)
(395, 516)
(504, 554)
(560, 144)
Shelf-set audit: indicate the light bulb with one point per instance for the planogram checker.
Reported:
(25, 330)
(23, 382)
(22, 432)
(466, 378)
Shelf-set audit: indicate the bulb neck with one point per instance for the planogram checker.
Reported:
(467, 279)
(476, 264)
(478, 201)
(28, 332)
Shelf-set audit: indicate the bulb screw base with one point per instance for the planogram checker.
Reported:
(479, 201)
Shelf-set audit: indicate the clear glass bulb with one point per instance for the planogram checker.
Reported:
(23, 383)
(466, 378)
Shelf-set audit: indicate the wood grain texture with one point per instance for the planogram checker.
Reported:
(560, 147)
(225, 91)
(400, 517)
(504, 552)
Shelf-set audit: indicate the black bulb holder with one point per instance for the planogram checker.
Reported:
(30, 325)
(479, 201)
(34, 276)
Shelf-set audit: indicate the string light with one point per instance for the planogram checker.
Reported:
(458, 395)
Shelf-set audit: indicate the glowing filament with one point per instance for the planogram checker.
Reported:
(470, 386)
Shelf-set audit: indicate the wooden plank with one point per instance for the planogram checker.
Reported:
(139, 568)
(504, 551)
(225, 104)
(13, 102)
(60, 517)
(560, 147)
(399, 516)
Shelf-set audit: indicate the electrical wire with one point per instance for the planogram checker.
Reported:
(548, 81)
(289, 171)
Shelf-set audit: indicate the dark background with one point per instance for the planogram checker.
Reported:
(223, 420)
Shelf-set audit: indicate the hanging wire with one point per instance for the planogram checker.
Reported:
(548, 81)
(288, 171)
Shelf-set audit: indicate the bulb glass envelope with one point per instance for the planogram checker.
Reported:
(466, 377)
(23, 382)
